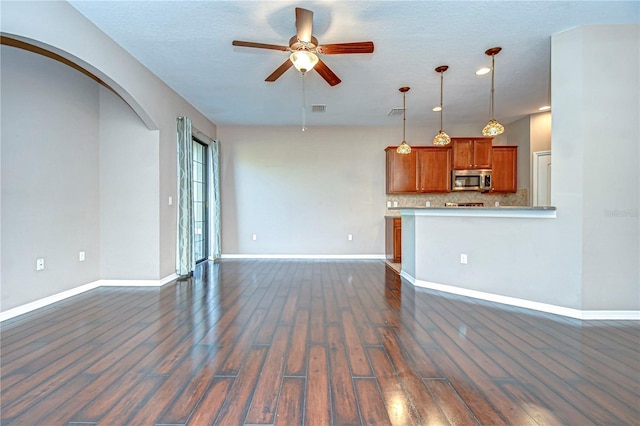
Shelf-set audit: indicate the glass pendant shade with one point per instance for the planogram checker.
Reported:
(304, 60)
(441, 139)
(493, 128)
(404, 147)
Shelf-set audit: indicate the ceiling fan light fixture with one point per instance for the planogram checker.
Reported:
(404, 147)
(493, 128)
(304, 60)
(441, 139)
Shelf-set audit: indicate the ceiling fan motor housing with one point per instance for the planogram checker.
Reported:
(295, 44)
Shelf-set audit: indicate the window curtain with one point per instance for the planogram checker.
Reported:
(215, 237)
(185, 250)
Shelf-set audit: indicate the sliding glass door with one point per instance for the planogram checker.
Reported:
(200, 202)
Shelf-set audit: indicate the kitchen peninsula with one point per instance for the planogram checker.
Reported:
(493, 253)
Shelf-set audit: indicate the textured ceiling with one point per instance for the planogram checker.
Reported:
(188, 45)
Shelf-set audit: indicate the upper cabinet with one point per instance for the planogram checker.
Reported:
(402, 171)
(425, 169)
(434, 169)
(471, 153)
(505, 173)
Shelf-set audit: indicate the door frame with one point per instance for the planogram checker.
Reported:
(534, 168)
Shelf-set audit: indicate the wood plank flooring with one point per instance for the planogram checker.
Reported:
(314, 342)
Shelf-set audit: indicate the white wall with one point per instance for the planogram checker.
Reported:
(108, 182)
(50, 177)
(58, 26)
(129, 169)
(603, 102)
(303, 192)
(529, 259)
(540, 131)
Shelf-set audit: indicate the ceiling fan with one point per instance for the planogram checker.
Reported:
(304, 48)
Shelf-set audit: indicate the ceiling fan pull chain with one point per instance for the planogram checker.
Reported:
(304, 103)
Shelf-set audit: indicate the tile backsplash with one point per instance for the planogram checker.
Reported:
(520, 198)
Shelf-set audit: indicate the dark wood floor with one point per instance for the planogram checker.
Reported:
(311, 342)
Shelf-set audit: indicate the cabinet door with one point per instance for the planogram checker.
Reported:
(393, 239)
(401, 172)
(505, 169)
(471, 153)
(434, 169)
(397, 240)
(462, 154)
(482, 154)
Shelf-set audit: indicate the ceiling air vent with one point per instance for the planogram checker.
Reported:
(318, 108)
(395, 112)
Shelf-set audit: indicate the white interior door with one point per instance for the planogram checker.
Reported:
(541, 195)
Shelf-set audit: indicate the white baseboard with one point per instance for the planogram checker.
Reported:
(137, 283)
(304, 256)
(40, 303)
(611, 315)
(523, 303)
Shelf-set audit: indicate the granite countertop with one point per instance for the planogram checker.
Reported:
(537, 212)
(475, 208)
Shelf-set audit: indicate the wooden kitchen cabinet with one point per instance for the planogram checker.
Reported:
(471, 153)
(393, 239)
(402, 171)
(504, 177)
(425, 169)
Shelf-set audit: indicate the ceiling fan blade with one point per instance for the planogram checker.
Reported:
(326, 73)
(279, 71)
(304, 24)
(259, 45)
(342, 48)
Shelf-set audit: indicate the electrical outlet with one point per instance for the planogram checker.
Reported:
(350, 237)
(463, 259)
(39, 264)
(81, 256)
(255, 237)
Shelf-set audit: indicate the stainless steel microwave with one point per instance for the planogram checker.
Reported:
(471, 180)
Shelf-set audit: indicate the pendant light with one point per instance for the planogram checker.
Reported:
(404, 147)
(493, 128)
(441, 138)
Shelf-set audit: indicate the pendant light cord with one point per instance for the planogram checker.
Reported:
(493, 59)
(404, 115)
(441, 88)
